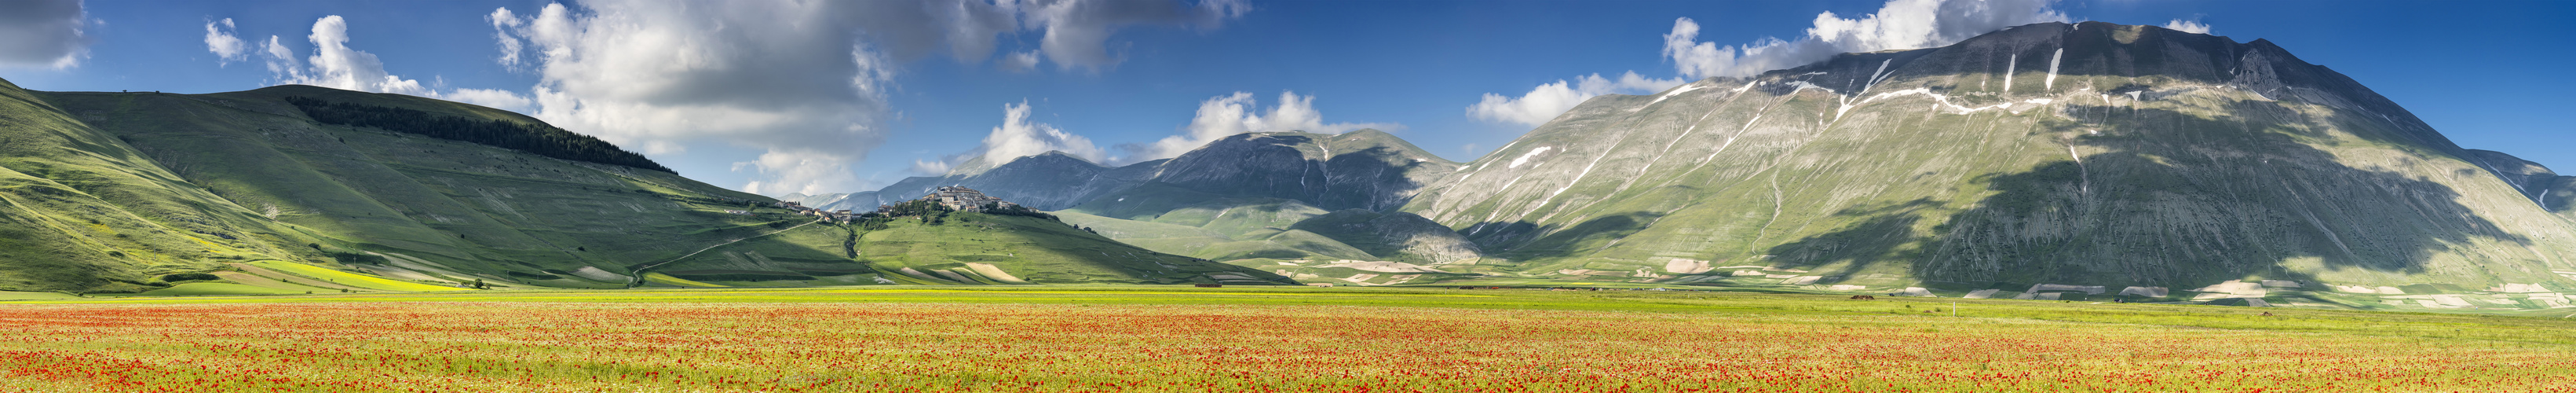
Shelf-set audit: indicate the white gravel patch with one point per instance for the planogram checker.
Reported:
(1383, 266)
(2086, 289)
(1686, 266)
(595, 274)
(2237, 288)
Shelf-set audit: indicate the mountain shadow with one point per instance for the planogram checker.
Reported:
(2164, 197)
(1533, 242)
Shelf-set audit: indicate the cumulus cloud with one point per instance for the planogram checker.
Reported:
(2188, 26)
(226, 47)
(1900, 24)
(791, 78)
(805, 82)
(43, 33)
(335, 65)
(1018, 137)
(661, 75)
(796, 171)
(1546, 101)
(1693, 58)
(1238, 113)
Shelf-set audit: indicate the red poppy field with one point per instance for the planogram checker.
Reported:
(1390, 341)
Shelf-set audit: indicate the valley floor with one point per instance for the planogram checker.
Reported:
(1144, 338)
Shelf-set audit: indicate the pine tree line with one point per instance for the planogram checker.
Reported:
(538, 139)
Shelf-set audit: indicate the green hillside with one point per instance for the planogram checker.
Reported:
(1306, 205)
(964, 248)
(109, 192)
(85, 211)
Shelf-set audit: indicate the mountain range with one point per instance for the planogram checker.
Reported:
(2094, 156)
(2046, 161)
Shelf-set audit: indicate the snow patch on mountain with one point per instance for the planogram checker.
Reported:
(1516, 162)
(1669, 94)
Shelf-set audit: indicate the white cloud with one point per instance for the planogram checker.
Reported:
(1077, 31)
(1017, 137)
(1694, 59)
(790, 78)
(335, 65)
(1238, 113)
(226, 47)
(44, 33)
(2188, 26)
(501, 99)
(503, 21)
(280, 59)
(1546, 101)
(661, 75)
(932, 167)
(805, 172)
(1900, 24)
(1019, 61)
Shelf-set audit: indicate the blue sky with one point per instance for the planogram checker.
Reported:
(774, 97)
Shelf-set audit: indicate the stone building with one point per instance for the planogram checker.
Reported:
(963, 199)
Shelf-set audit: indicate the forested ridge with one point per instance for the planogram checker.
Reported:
(540, 139)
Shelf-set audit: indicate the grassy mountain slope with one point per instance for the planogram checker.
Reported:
(1048, 181)
(1249, 197)
(2091, 154)
(114, 189)
(1239, 198)
(85, 211)
(2552, 192)
(1186, 222)
(433, 209)
(1035, 250)
(967, 248)
(1364, 169)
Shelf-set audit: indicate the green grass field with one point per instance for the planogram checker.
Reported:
(218, 288)
(350, 279)
(1178, 338)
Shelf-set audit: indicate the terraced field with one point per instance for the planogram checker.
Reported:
(1070, 338)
